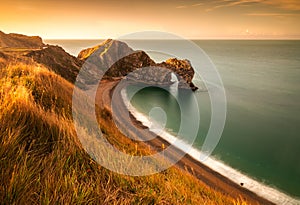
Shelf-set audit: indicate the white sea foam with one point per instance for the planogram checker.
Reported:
(265, 191)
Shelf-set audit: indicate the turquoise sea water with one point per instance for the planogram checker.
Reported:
(262, 83)
(261, 135)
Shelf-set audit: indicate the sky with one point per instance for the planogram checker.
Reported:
(202, 19)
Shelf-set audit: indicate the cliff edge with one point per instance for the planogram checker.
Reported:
(117, 59)
(111, 58)
(13, 40)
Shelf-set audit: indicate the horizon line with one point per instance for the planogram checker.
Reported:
(297, 38)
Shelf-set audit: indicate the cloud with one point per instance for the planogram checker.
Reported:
(285, 4)
(188, 6)
(232, 3)
(291, 5)
(199, 4)
(271, 14)
(181, 7)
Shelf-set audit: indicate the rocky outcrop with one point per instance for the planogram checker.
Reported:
(136, 60)
(111, 58)
(105, 53)
(183, 69)
(117, 56)
(13, 40)
(117, 59)
(152, 75)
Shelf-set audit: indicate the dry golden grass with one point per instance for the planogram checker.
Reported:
(42, 162)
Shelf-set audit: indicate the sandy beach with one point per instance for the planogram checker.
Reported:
(213, 179)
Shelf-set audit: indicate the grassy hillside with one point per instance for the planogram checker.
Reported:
(42, 161)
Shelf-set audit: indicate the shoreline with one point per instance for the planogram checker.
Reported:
(199, 170)
(237, 177)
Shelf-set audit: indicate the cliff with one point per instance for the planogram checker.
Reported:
(42, 159)
(13, 40)
(27, 49)
(152, 75)
(114, 57)
(106, 56)
(184, 69)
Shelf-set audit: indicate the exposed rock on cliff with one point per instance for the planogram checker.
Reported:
(111, 58)
(152, 75)
(130, 63)
(117, 56)
(183, 68)
(13, 40)
(108, 52)
(122, 60)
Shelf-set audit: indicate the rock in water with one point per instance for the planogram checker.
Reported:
(183, 69)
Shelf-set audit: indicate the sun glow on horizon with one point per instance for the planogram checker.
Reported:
(191, 19)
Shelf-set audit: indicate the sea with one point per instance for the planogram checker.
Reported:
(260, 144)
